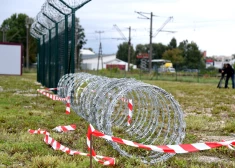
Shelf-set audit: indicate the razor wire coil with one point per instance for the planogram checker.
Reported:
(157, 117)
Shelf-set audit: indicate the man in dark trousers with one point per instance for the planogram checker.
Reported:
(230, 74)
(222, 71)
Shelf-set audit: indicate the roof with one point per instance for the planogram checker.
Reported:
(86, 52)
(160, 60)
(92, 56)
(209, 60)
(116, 61)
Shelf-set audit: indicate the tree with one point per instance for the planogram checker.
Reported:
(122, 52)
(183, 47)
(174, 55)
(16, 33)
(193, 57)
(158, 50)
(80, 41)
(172, 44)
(141, 48)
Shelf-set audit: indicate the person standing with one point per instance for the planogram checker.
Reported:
(230, 74)
(232, 77)
(222, 71)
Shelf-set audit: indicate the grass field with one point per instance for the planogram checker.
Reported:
(209, 116)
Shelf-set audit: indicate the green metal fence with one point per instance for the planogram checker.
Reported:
(54, 28)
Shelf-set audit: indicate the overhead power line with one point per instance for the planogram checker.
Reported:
(160, 29)
(143, 14)
(129, 43)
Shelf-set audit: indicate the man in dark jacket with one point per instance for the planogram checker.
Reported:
(230, 74)
(222, 71)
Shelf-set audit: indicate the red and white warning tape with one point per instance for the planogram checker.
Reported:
(108, 160)
(123, 99)
(65, 128)
(130, 109)
(50, 88)
(54, 144)
(182, 148)
(55, 97)
(68, 106)
(52, 96)
(57, 146)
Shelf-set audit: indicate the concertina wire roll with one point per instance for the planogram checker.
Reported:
(157, 118)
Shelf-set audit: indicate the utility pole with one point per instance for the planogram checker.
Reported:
(150, 42)
(143, 14)
(100, 51)
(151, 33)
(3, 36)
(4, 29)
(129, 43)
(129, 49)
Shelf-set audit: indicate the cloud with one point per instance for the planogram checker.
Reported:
(210, 23)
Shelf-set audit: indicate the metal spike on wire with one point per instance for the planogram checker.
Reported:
(156, 118)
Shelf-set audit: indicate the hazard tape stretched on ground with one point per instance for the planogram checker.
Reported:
(55, 97)
(50, 88)
(67, 99)
(51, 96)
(57, 146)
(71, 127)
(130, 108)
(182, 148)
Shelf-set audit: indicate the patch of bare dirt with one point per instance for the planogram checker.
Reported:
(217, 138)
(210, 159)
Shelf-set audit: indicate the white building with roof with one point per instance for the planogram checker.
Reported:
(219, 61)
(90, 61)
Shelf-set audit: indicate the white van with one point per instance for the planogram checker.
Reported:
(171, 70)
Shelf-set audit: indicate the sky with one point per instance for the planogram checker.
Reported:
(209, 23)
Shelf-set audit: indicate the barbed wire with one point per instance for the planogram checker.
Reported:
(157, 118)
(52, 12)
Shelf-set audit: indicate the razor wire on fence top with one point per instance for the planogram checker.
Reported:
(156, 118)
(54, 28)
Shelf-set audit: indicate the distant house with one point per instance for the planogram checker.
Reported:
(86, 52)
(209, 62)
(90, 61)
(117, 63)
(219, 61)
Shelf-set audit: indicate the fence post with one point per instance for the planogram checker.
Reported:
(49, 60)
(43, 61)
(66, 41)
(38, 60)
(72, 50)
(176, 72)
(57, 75)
